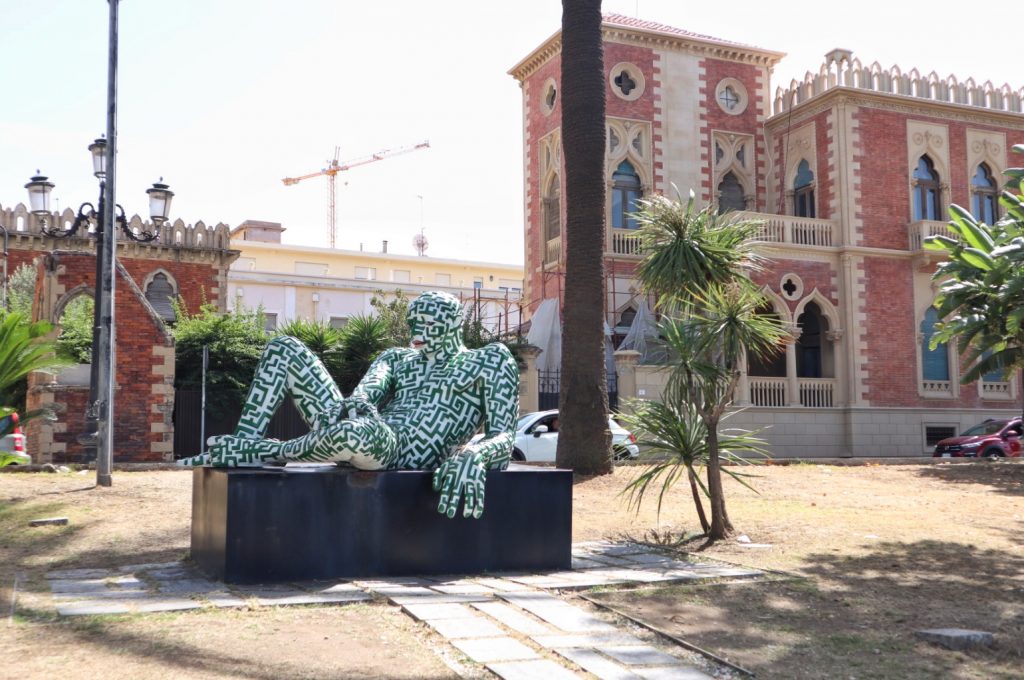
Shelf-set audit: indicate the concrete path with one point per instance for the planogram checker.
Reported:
(514, 624)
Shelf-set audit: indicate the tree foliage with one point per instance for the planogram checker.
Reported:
(363, 338)
(236, 340)
(76, 323)
(392, 309)
(21, 289)
(981, 286)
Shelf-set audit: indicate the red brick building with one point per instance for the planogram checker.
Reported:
(185, 260)
(850, 170)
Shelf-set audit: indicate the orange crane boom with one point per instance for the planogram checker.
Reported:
(334, 167)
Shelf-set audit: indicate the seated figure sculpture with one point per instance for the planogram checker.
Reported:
(415, 409)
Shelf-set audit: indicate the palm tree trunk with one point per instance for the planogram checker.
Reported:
(720, 524)
(584, 442)
(695, 490)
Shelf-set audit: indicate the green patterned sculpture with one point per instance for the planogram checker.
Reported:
(416, 409)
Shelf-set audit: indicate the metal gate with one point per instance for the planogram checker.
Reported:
(549, 387)
(286, 424)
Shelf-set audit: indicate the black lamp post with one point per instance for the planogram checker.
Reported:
(100, 410)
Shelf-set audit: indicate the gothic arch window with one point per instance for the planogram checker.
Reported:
(730, 194)
(803, 191)
(773, 365)
(626, 194)
(927, 191)
(160, 293)
(76, 328)
(627, 316)
(812, 360)
(984, 195)
(552, 210)
(934, 362)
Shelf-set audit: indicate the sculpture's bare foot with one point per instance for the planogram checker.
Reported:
(195, 461)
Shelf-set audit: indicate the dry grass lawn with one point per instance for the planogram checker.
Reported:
(883, 551)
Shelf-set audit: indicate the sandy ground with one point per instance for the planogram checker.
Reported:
(882, 551)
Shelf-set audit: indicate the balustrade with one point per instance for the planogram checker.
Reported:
(920, 230)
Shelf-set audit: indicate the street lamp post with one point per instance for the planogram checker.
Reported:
(98, 438)
(100, 411)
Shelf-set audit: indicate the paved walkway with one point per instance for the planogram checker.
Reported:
(511, 622)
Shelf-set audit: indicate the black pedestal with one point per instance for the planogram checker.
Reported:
(277, 524)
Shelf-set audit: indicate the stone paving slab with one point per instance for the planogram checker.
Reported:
(513, 618)
(438, 598)
(645, 655)
(471, 627)
(541, 669)
(162, 605)
(223, 600)
(69, 574)
(92, 608)
(956, 638)
(589, 641)
(560, 614)
(429, 612)
(486, 650)
(502, 584)
(601, 666)
(186, 586)
(108, 594)
(671, 673)
(464, 589)
(83, 586)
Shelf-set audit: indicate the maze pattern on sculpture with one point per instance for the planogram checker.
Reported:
(431, 401)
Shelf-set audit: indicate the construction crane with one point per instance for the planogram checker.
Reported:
(332, 170)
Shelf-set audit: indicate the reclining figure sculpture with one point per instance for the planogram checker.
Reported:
(415, 409)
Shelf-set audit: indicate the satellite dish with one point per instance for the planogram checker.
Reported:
(420, 243)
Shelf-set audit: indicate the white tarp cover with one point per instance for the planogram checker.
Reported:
(546, 333)
(643, 337)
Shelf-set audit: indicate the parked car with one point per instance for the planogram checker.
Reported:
(13, 443)
(992, 439)
(537, 438)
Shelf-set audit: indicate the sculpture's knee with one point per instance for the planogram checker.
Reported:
(284, 344)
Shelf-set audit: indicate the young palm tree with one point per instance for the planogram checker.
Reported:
(584, 442)
(24, 347)
(696, 263)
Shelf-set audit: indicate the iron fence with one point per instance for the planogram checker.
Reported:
(549, 387)
(286, 424)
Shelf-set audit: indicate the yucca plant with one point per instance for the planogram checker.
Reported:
(363, 338)
(697, 263)
(323, 340)
(24, 347)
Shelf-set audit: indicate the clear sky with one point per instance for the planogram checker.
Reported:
(224, 98)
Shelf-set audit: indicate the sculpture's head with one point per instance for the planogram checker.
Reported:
(435, 320)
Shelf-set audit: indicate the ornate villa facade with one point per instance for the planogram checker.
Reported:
(850, 170)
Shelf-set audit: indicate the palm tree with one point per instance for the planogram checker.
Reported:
(24, 347)
(584, 442)
(696, 263)
(325, 341)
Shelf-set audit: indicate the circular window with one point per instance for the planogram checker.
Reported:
(549, 96)
(627, 81)
(731, 96)
(791, 287)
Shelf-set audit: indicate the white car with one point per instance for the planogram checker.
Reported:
(537, 438)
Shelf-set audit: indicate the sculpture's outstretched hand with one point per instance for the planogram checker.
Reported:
(461, 477)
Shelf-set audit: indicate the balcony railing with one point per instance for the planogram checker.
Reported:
(804, 231)
(625, 242)
(817, 392)
(553, 250)
(767, 391)
(937, 388)
(922, 229)
(995, 390)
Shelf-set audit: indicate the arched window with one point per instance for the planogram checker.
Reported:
(983, 196)
(159, 293)
(927, 191)
(76, 328)
(810, 346)
(626, 192)
(730, 194)
(627, 316)
(773, 365)
(934, 362)
(552, 210)
(803, 191)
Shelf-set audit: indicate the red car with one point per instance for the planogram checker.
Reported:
(991, 439)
